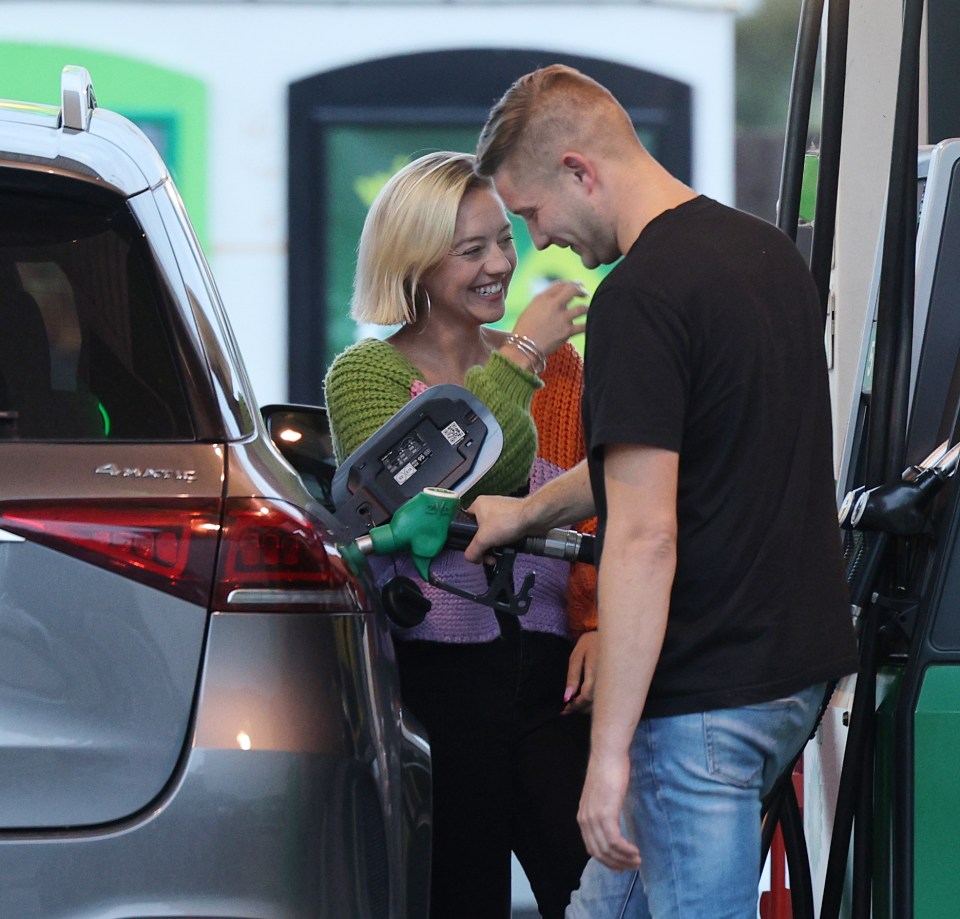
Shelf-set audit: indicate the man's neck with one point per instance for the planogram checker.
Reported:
(649, 191)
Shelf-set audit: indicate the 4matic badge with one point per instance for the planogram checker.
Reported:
(147, 472)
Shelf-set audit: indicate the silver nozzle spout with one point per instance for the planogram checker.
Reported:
(928, 462)
(935, 456)
(946, 466)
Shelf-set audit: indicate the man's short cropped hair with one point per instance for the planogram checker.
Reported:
(552, 106)
(408, 230)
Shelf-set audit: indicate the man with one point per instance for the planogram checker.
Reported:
(723, 609)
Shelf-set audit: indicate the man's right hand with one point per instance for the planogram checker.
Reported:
(601, 804)
(500, 522)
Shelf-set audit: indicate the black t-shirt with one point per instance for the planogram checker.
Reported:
(707, 340)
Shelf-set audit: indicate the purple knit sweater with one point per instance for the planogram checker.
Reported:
(455, 619)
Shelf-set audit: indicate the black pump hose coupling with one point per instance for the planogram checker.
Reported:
(899, 507)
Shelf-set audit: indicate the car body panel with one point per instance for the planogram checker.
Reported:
(113, 153)
(103, 471)
(97, 671)
(180, 260)
(294, 826)
(161, 753)
(97, 678)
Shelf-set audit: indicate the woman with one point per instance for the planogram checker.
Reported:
(437, 255)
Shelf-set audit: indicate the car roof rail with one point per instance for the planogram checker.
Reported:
(77, 98)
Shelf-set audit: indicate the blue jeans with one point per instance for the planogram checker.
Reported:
(693, 809)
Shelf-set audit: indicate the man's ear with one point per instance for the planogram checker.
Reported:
(580, 168)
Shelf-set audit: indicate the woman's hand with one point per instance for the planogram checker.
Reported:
(581, 673)
(550, 319)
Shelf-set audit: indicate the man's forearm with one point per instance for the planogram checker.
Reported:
(634, 595)
(561, 502)
(634, 584)
(502, 521)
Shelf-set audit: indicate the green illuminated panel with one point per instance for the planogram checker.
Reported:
(937, 794)
(169, 107)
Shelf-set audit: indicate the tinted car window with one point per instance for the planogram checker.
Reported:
(84, 350)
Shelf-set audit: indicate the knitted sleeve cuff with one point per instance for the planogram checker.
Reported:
(365, 385)
(503, 376)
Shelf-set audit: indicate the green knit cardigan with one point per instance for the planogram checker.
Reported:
(371, 381)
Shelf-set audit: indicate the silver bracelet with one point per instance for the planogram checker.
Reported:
(528, 347)
(536, 365)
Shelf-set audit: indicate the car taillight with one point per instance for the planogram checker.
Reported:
(169, 544)
(273, 556)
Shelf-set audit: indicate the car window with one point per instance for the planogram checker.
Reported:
(84, 348)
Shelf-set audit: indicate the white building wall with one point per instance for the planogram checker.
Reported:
(248, 53)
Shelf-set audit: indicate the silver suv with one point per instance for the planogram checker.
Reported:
(199, 711)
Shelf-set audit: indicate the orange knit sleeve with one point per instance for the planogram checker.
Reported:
(556, 413)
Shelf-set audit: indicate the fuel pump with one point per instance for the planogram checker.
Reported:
(896, 815)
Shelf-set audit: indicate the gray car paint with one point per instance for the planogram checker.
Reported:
(250, 765)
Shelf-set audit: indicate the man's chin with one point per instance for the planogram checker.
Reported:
(587, 258)
(591, 260)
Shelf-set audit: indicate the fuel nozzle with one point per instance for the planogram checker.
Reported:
(936, 456)
(424, 526)
(419, 527)
(900, 507)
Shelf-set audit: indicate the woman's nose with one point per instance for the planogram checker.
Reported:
(499, 262)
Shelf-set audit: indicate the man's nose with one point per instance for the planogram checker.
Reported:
(538, 237)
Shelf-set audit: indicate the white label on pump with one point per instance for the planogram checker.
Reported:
(405, 473)
(454, 433)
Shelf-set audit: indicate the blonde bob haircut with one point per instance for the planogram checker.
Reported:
(408, 230)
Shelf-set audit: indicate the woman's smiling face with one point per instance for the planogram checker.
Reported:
(473, 278)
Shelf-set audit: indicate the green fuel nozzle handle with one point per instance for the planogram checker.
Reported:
(419, 527)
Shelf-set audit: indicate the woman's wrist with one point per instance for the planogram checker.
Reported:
(527, 348)
(510, 352)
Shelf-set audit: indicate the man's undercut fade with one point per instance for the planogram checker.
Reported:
(551, 108)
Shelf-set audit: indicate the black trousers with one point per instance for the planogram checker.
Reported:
(508, 769)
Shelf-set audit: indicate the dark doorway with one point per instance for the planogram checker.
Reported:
(411, 103)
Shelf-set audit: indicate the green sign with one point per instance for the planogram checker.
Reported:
(170, 107)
